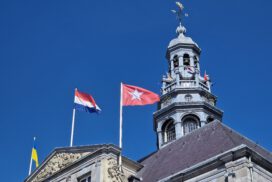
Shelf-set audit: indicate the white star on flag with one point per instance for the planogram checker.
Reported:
(136, 95)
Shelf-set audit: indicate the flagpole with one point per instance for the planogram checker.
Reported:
(73, 125)
(30, 165)
(121, 126)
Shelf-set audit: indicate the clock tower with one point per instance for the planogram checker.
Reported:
(187, 102)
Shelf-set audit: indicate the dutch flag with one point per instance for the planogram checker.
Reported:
(85, 102)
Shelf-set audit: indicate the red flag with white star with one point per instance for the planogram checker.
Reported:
(137, 96)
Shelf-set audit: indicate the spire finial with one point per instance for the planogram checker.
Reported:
(181, 30)
(179, 13)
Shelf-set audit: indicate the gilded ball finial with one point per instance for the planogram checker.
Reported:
(181, 30)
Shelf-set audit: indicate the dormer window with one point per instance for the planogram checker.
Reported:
(190, 123)
(176, 61)
(168, 131)
(186, 60)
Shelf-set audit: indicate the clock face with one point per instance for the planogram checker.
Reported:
(188, 73)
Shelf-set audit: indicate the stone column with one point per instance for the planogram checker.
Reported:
(191, 61)
(197, 75)
(177, 72)
(163, 87)
(181, 61)
(160, 139)
(178, 129)
(202, 123)
(172, 70)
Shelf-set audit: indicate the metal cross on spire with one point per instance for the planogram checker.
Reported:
(179, 12)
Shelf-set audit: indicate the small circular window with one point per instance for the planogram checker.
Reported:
(188, 98)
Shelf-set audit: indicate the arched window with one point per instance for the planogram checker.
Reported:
(186, 60)
(190, 123)
(168, 131)
(176, 61)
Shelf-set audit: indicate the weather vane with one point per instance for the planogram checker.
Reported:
(179, 12)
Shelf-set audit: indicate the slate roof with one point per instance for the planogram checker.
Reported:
(198, 146)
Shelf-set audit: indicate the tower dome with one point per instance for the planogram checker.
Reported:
(181, 39)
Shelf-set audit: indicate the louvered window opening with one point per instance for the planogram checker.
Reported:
(189, 126)
(170, 133)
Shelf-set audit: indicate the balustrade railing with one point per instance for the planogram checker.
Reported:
(185, 84)
(204, 86)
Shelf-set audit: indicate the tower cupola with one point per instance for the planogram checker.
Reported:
(187, 102)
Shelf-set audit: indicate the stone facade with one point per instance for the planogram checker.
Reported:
(259, 174)
(56, 163)
(239, 170)
(72, 164)
(239, 164)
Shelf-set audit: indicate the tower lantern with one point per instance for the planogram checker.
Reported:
(186, 102)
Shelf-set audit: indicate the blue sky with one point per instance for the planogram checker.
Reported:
(47, 48)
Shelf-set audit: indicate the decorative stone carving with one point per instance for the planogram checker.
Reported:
(115, 174)
(56, 163)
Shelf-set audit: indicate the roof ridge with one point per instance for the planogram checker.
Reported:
(83, 147)
(147, 156)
